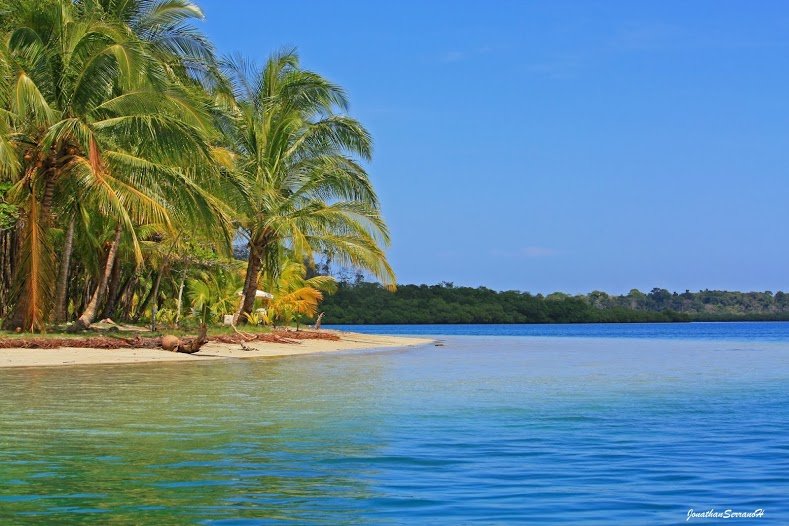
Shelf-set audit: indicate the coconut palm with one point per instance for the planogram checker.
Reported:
(167, 26)
(90, 110)
(297, 168)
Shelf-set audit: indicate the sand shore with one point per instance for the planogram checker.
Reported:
(213, 351)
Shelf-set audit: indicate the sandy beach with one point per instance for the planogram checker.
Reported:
(212, 351)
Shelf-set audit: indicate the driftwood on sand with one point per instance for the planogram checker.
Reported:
(281, 336)
(185, 345)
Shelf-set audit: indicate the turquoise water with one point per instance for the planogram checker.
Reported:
(484, 430)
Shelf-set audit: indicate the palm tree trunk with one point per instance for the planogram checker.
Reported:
(155, 296)
(180, 296)
(85, 294)
(112, 291)
(61, 298)
(127, 296)
(250, 284)
(121, 291)
(29, 308)
(6, 268)
(144, 304)
(87, 317)
(49, 192)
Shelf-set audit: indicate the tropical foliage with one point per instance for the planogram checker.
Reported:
(299, 184)
(132, 158)
(296, 297)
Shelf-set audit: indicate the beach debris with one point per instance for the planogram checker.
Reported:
(170, 342)
(277, 336)
(192, 345)
(186, 345)
(107, 324)
(91, 342)
(317, 325)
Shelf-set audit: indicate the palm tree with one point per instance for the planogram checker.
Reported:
(92, 110)
(167, 27)
(296, 165)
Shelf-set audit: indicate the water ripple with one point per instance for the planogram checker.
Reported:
(485, 432)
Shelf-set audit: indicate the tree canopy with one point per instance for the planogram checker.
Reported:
(132, 157)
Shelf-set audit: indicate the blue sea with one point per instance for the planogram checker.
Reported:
(561, 424)
(744, 331)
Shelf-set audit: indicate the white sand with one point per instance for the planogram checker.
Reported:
(212, 351)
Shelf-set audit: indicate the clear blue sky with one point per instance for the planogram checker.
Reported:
(554, 145)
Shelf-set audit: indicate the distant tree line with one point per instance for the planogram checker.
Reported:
(369, 303)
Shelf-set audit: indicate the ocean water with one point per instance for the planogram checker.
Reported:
(747, 331)
(485, 429)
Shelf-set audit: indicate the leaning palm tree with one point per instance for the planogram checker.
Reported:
(90, 110)
(297, 168)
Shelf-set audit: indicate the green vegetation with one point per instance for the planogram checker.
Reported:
(299, 187)
(370, 303)
(131, 158)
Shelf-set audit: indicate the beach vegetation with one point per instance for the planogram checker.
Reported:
(295, 158)
(134, 162)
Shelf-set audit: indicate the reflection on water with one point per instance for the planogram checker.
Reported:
(491, 430)
(175, 442)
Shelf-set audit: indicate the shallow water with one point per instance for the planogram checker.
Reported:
(488, 430)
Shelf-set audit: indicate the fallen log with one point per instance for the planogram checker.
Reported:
(192, 345)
